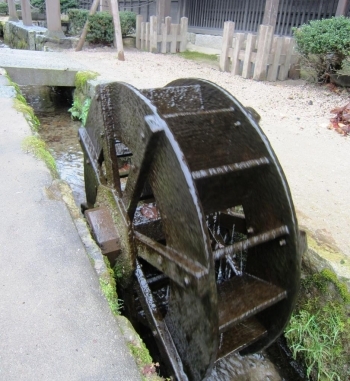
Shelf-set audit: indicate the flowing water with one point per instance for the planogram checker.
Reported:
(60, 133)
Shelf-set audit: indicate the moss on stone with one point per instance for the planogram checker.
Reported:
(109, 288)
(38, 148)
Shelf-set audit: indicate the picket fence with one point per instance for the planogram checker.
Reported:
(164, 38)
(262, 56)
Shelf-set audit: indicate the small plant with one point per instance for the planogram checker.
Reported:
(319, 330)
(323, 45)
(38, 148)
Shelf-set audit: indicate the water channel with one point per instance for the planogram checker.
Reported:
(60, 133)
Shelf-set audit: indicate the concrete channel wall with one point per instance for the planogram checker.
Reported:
(19, 36)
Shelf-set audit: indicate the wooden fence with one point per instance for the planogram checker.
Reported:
(164, 38)
(261, 56)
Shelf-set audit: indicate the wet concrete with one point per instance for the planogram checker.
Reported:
(60, 133)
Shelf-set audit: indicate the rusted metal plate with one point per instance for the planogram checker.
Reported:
(104, 232)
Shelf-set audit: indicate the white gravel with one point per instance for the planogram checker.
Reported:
(295, 116)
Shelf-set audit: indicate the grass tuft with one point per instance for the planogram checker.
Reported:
(197, 56)
(319, 331)
(38, 148)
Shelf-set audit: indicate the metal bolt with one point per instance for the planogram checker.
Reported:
(186, 280)
(160, 260)
(283, 242)
(250, 230)
(87, 161)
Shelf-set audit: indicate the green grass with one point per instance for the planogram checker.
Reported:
(319, 331)
(196, 56)
(38, 148)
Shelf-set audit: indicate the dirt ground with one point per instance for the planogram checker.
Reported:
(295, 116)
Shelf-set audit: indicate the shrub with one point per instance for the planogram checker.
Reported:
(4, 9)
(77, 19)
(127, 22)
(65, 5)
(323, 45)
(101, 28)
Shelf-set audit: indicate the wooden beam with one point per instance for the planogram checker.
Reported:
(92, 11)
(342, 8)
(12, 11)
(270, 13)
(118, 39)
(26, 13)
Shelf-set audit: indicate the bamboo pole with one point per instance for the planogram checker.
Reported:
(118, 40)
(92, 11)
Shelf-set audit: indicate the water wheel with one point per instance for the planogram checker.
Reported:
(203, 218)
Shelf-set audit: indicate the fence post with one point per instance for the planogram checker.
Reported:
(270, 13)
(247, 64)
(165, 32)
(229, 29)
(288, 49)
(262, 56)
(139, 19)
(153, 34)
(236, 51)
(173, 32)
(272, 74)
(143, 37)
(147, 37)
(184, 28)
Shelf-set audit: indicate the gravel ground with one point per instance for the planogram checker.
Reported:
(295, 116)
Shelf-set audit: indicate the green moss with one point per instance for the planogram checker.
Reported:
(38, 148)
(319, 330)
(21, 105)
(28, 112)
(141, 354)
(82, 77)
(196, 56)
(109, 288)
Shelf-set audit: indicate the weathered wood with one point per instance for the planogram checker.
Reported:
(143, 35)
(139, 20)
(153, 34)
(173, 33)
(92, 11)
(236, 51)
(165, 32)
(104, 6)
(147, 35)
(265, 40)
(26, 13)
(283, 72)
(247, 63)
(12, 10)
(270, 14)
(273, 69)
(229, 29)
(118, 39)
(342, 7)
(183, 33)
